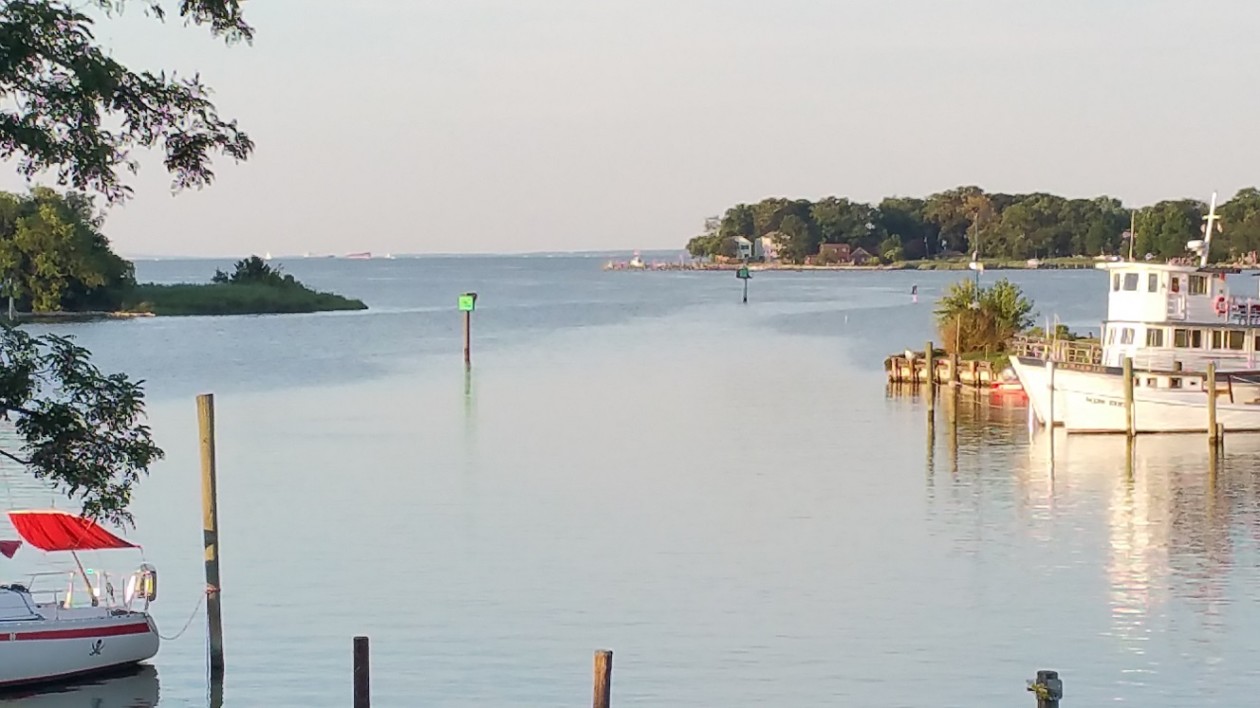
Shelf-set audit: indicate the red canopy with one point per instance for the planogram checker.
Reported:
(60, 531)
(8, 548)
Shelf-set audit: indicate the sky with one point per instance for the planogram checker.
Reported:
(479, 126)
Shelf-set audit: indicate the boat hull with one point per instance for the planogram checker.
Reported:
(1093, 401)
(52, 650)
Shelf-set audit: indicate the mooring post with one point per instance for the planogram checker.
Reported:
(362, 674)
(1211, 404)
(210, 532)
(1129, 427)
(929, 375)
(603, 679)
(1048, 689)
(1050, 412)
(954, 376)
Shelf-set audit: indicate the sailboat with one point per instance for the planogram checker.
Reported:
(50, 635)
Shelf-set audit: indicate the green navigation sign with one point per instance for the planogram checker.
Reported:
(743, 273)
(468, 302)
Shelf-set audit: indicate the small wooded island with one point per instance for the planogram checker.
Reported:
(56, 263)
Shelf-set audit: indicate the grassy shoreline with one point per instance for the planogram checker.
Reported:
(192, 299)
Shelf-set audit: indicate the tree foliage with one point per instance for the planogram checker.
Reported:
(972, 318)
(254, 271)
(968, 220)
(79, 430)
(54, 255)
(71, 109)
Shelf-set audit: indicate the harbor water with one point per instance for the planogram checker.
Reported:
(726, 495)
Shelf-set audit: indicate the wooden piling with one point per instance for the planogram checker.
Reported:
(954, 376)
(362, 674)
(1050, 412)
(1129, 426)
(210, 532)
(1047, 688)
(930, 376)
(1211, 406)
(603, 679)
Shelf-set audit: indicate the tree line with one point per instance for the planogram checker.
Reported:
(968, 220)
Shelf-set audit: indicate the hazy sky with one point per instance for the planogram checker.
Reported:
(525, 125)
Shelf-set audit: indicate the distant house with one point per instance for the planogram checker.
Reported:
(833, 253)
(744, 249)
(767, 247)
(860, 256)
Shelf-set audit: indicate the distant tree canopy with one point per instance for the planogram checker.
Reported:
(968, 219)
(54, 256)
(254, 271)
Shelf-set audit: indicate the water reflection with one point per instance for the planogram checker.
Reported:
(1174, 524)
(135, 688)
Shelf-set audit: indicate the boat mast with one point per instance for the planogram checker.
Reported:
(1211, 225)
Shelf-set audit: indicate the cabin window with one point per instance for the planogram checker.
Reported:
(1152, 282)
(1181, 338)
(1115, 281)
(1196, 339)
(1255, 344)
(1150, 383)
(1154, 337)
(1111, 336)
(1174, 383)
(1218, 339)
(1176, 284)
(1198, 285)
(1130, 281)
(1126, 335)
(1235, 338)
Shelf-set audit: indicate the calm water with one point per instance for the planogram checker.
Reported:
(725, 495)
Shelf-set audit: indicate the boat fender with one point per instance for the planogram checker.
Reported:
(1220, 305)
(148, 583)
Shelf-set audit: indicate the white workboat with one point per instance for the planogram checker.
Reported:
(1171, 320)
(56, 635)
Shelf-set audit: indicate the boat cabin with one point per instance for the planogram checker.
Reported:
(1168, 316)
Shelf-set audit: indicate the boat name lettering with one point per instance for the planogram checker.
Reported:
(1104, 402)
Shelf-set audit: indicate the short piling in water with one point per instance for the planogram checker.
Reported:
(362, 674)
(1047, 688)
(929, 375)
(210, 533)
(1212, 430)
(1129, 426)
(603, 679)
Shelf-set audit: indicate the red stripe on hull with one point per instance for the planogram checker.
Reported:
(79, 633)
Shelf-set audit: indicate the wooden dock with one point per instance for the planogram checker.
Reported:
(945, 370)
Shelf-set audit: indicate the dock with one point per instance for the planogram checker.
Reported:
(945, 370)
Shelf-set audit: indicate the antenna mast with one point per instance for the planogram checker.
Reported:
(1209, 226)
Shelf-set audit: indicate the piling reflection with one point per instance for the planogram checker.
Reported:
(137, 687)
(1177, 515)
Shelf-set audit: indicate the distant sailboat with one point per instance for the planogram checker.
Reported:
(267, 256)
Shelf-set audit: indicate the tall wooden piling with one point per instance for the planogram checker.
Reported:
(210, 532)
(603, 679)
(1129, 426)
(929, 376)
(1047, 688)
(362, 674)
(1050, 412)
(1209, 386)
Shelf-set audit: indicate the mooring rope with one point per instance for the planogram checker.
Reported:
(187, 624)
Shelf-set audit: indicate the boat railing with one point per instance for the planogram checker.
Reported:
(1057, 350)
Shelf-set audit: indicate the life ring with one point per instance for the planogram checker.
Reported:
(1220, 305)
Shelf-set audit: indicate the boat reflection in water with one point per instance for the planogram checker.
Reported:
(135, 687)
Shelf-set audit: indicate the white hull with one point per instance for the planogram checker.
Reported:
(74, 643)
(1093, 402)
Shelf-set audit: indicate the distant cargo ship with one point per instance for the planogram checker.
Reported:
(360, 256)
